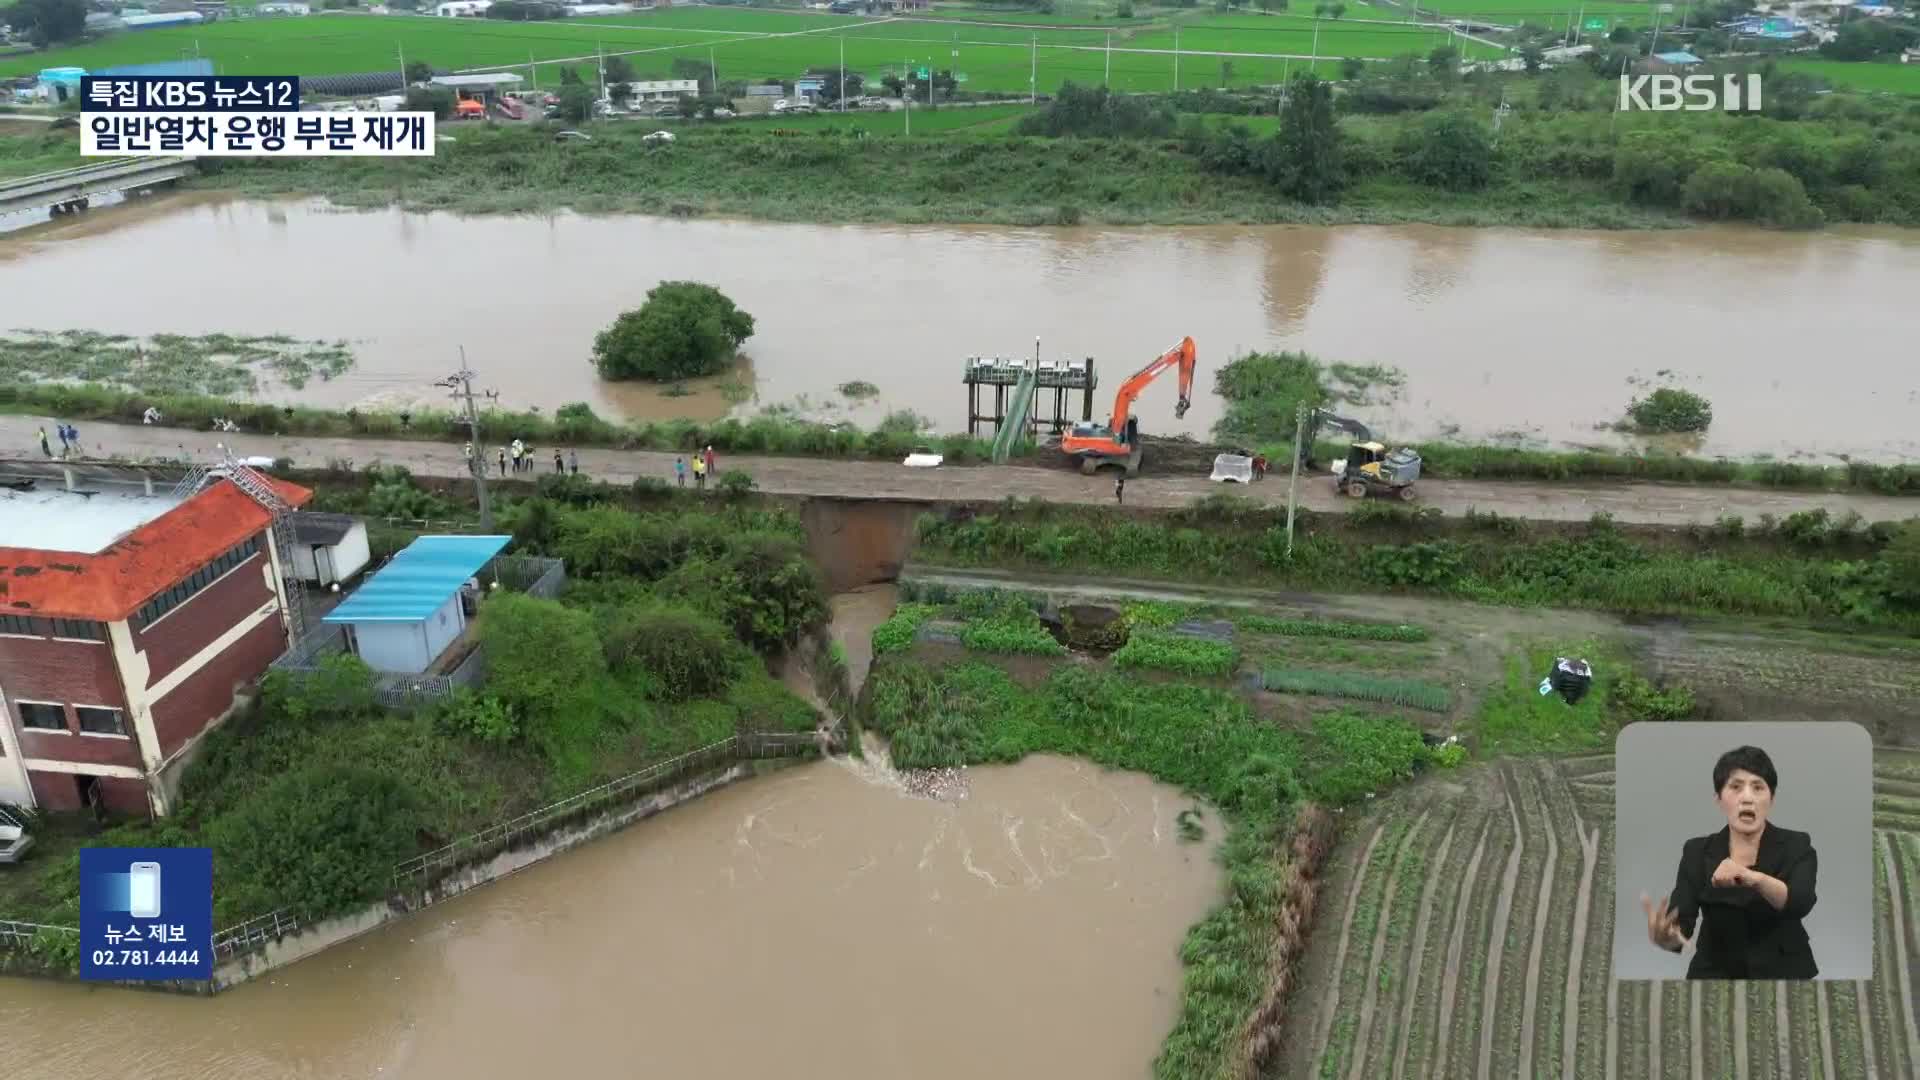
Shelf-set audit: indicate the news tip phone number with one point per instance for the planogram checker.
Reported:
(145, 957)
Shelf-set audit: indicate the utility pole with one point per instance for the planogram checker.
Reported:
(906, 93)
(533, 72)
(403, 69)
(1033, 78)
(600, 54)
(1176, 59)
(461, 383)
(841, 90)
(1293, 474)
(1108, 79)
(713, 67)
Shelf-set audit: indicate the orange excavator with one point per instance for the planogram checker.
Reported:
(1117, 442)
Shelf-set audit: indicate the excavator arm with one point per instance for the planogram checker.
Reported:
(1320, 418)
(1182, 355)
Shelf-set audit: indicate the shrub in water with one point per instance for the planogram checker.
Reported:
(1668, 410)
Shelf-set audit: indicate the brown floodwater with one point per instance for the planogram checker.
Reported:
(1802, 341)
(815, 923)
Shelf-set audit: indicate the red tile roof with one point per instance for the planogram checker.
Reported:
(112, 584)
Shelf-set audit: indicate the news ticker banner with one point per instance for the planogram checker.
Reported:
(234, 116)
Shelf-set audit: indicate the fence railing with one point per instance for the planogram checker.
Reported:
(254, 933)
(21, 934)
(263, 930)
(505, 834)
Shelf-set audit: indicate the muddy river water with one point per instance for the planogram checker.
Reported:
(1802, 341)
(815, 923)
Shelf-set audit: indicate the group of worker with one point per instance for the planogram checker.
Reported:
(521, 456)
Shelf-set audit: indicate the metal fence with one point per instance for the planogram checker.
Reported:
(530, 574)
(263, 930)
(505, 834)
(19, 935)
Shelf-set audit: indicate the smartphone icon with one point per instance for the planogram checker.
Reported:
(143, 894)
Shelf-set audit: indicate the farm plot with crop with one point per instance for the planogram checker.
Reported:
(1506, 960)
(1409, 693)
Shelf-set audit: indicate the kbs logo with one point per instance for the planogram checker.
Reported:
(1694, 93)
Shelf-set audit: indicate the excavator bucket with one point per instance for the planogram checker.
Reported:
(1180, 409)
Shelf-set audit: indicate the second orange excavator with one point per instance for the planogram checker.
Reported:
(1117, 442)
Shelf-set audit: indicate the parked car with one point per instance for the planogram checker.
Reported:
(785, 106)
(572, 136)
(658, 138)
(724, 114)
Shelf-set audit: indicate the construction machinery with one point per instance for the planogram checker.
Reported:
(1369, 466)
(1117, 442)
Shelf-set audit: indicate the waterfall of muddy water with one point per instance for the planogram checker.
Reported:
(801, 925)
(1492, 327)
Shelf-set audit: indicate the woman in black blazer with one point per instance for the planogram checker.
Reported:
(1748, 886)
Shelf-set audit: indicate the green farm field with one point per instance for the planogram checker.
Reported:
(1889, 78)
(762, 44)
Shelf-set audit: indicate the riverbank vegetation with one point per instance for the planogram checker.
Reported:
(1262, 392)
(1807, 566)
(777, 432)
(214, 365)
(683, 331)
(315, 789)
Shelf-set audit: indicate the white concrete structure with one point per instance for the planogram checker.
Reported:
(463, 9)
(664, 89)
(410, 648)
(329, 548)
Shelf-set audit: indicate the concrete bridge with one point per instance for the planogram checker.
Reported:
(71, 189)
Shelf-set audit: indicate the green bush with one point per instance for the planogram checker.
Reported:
(1011, 634)
(1668, 410)
(1357, 755)
(1178, 652)
(1262, 392)
(340, 687)
(1410, 693)
(1448, 756)
(897, 633)
(735, 484)
(320, 840)
(684, 329)
(687, 654)
(1637, 699)
(480, 717)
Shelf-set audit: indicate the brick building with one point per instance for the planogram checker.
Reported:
(128, 618)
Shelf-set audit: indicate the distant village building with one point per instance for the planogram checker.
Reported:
(463, 9)
(131, 616)
(664, 89)
(1671, 62)
(279, 8)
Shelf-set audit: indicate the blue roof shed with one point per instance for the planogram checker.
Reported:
(409, 611)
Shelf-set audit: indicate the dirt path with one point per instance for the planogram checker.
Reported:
(1502, 913)
(1656, 1009)
(1570, 1026)
(1542, 911)
(1324, 1028)
(1696, 1028)
(1896, 903)
(1411, 989)
(1740, 1032)
(1782, 1025)
(1866, 1030)
(1826, 1031)
(1451, 984)
(1376, 957)
(1657, 504)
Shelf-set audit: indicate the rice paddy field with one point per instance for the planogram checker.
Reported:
(759, 44)
(1467, 929)
(1889, 78)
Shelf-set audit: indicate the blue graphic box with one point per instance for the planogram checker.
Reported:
(146, 913)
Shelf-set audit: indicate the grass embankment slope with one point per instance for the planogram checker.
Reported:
(315, 792)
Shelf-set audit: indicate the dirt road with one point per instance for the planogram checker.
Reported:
(1657, 504)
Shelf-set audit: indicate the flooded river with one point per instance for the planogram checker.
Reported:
(1802, 341)
(815, 923)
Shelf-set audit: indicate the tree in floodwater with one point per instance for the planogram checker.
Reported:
(683, 330)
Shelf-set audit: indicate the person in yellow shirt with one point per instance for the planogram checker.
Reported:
(700, 472)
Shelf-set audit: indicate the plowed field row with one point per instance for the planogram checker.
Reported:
(1478, 942)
